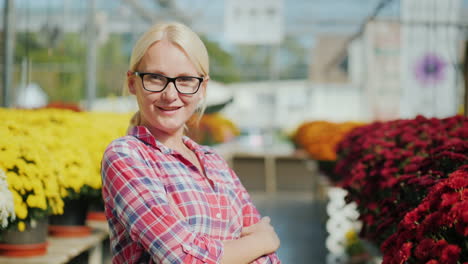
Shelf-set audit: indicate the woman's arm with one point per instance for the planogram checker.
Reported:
(260, 237)
(251, 222)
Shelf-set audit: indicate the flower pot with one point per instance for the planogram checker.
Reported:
(96, 211)
(362, 258)
(96, 216)
(31, 242)
(327, 167)
(72, 223)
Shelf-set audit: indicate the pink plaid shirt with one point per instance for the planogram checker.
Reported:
(162, 209)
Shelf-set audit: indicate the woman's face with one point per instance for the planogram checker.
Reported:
(166, 111)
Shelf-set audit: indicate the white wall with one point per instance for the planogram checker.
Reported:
(286, 104)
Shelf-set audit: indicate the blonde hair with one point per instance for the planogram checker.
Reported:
(180, 35)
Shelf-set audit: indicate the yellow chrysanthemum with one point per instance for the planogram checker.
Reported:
(46, 153)
(21, 210)
(21, 226)
(351, 236)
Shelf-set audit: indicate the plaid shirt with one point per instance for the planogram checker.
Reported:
(161, 209)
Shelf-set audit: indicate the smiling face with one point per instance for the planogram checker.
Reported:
(166, 112)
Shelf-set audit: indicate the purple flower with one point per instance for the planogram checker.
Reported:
(430, 69)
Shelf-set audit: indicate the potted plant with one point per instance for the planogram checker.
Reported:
(33, 184)
(51, 158)
(213, 128)
(85, 136)
(319, 139)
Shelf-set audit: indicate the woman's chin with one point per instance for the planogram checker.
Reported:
(170, 130)
(168, 126)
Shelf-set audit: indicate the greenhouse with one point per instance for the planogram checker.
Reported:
(234, 131)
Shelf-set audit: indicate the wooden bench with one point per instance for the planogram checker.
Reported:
(63, 250)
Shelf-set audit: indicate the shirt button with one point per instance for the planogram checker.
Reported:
(218, 215)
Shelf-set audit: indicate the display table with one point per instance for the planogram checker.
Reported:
(273, 172)
(62, 250)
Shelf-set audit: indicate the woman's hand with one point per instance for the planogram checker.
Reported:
(265, 233)
(256, 241)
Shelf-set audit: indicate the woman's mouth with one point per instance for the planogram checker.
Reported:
(169, 110)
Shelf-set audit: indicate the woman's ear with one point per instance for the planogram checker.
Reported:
(131, 83)
(204, 86)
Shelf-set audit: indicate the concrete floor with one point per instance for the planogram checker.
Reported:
(299, 221)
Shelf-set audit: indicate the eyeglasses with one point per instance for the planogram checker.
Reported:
(153, 82)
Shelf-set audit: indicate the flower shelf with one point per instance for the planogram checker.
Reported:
(69, 231)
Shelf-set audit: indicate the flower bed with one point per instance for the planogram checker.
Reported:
(320, 138)
(212, 129)
(52, 155)
(409, 179)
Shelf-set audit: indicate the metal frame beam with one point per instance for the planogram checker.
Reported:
(8, 51)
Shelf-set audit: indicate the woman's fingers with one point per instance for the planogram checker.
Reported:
(265, 234)
(247, 230)
(264, 222)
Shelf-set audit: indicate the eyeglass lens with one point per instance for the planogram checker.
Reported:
(156, 83)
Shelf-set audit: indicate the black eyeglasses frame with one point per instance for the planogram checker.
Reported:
(169, 80)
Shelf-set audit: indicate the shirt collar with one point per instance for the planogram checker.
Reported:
(143, 133)
(195, 147)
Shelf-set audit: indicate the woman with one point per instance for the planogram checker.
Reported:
(168, 199)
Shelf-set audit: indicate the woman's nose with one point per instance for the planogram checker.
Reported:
(170, 93)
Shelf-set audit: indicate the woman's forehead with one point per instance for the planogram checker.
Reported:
(166, 57)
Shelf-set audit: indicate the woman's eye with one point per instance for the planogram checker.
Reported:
(157, 78)
(186, 79)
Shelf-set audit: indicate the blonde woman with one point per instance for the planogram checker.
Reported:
(168, 199)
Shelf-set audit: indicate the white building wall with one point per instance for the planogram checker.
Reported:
(430, 36)
(286, 104)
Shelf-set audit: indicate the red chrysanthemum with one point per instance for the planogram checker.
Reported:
(410, 180)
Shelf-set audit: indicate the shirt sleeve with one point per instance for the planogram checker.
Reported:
(139, 202)
(252, 216)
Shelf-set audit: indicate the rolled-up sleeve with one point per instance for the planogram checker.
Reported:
(251, 216)
(138, 200)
